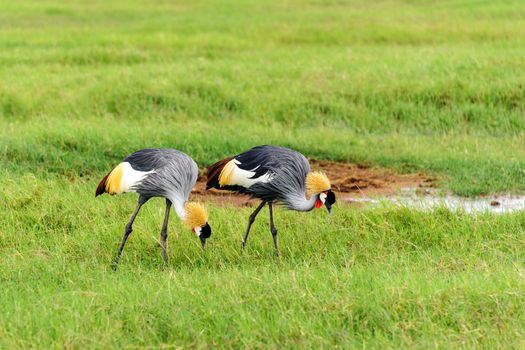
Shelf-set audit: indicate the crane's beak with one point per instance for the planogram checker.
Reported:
(203, 242)
(328, 207)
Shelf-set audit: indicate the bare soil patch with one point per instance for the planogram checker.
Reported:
(349, 181)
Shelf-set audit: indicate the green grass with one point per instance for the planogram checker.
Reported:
(377, 278)
(409, 85)
(415, 86)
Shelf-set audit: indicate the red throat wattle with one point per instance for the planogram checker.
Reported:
(318, 203)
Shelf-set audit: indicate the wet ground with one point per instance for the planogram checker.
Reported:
(412, 198)
(362, 185)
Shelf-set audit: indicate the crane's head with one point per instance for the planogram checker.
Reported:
(318, 184)
(197, 220)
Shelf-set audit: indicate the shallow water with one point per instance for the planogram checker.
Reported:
(409, 198)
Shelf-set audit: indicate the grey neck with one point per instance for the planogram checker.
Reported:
(178, 204)
(301, 203)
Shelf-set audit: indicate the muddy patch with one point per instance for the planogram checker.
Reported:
(221, 198)
(350, 181)
(365, 181)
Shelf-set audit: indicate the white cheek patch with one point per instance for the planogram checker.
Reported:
(322, 197)
(197, 231)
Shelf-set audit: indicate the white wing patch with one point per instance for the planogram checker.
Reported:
(131, 177)
(243, 178)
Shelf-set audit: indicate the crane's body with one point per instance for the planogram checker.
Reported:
(154, 172)
(274, 175)
(158, 172)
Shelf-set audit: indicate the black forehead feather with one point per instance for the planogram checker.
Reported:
(330, 197)
(205, 231)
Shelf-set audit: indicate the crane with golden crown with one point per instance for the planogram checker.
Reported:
(157, 172)
(274, 175)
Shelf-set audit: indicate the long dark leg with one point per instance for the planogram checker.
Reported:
(164, 232)
(251, 219)
(129, 229)
(273, 230)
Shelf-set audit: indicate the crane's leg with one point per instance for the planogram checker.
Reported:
(164, 232)
(251, 219)
(129, 229)
(273, 230)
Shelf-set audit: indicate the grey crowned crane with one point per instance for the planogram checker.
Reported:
(157, 172)
(274, 175)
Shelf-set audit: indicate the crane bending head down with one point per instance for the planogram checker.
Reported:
(275, 175)
(159, 172)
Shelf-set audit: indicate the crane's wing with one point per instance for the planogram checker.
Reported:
(170, 172)
(153, 171)
(148, 159)
(258, 165)
(131, 171)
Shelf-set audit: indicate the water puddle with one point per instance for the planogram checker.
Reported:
(410, 198)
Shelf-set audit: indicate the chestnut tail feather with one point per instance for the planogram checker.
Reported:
(214, 172)
(102, 185)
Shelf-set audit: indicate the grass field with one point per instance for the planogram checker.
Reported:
(408, 85)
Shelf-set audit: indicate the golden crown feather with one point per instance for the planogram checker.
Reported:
(317, 182)
(196, 215)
